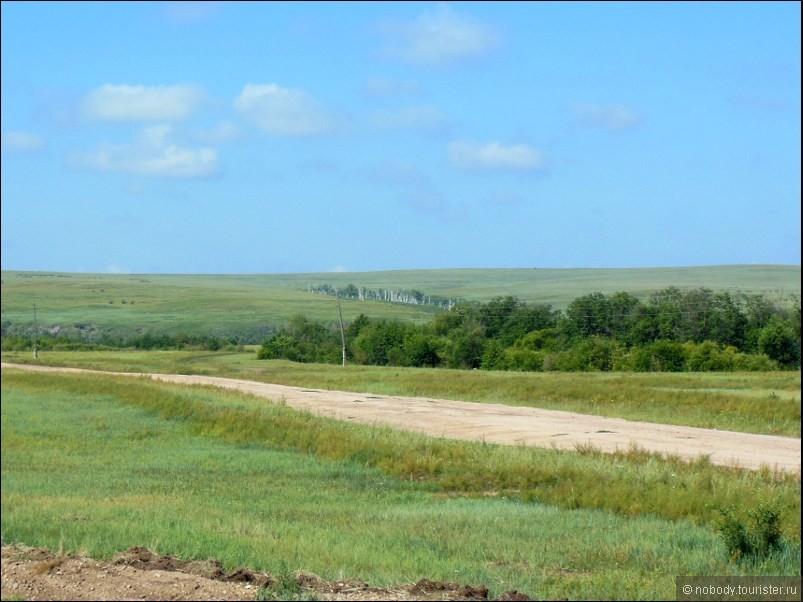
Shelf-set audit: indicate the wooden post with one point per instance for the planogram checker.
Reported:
(342, 331)
(35, 348)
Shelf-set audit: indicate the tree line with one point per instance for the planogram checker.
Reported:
(49, 341)
(671, 330)
(361, 293)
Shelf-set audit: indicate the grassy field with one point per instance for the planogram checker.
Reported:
(232, 305)
(96, 464)
(767, 403)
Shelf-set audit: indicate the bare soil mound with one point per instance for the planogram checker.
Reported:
(139, 574)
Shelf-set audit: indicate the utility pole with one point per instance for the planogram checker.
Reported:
(342, 331)
(35, 348)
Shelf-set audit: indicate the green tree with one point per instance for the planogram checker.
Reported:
(380, 343)
(588, 316)
(422, 350)
(465, 347)
(781, 343)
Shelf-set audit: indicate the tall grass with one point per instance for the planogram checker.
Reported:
(630, 483)
(96, 465)
(765, 403)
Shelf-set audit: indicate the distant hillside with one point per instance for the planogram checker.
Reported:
(560, 286)
(250, 306)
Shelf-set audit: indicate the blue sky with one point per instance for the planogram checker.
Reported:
(160, 137)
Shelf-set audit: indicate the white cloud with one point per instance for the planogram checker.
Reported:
(285, 111)
(605, 117)
(439, 38)
(421, 118)
(494, 156)
(141, 103)
(152, 154)
(22, 141)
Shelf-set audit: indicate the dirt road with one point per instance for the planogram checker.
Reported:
(511, 425)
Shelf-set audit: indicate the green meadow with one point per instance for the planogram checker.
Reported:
(249, 306)
(96, 464)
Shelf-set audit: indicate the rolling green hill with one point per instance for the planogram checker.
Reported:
(250, 306)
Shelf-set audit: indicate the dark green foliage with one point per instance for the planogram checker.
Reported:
(754, 541)
(711, 357)
(780, 342)
(146, 341)
(303, 340)
(660, 356)
(380, 343)
(423, 350)
(671, 331)
(592, 353)
(587, 316)
(465, 347)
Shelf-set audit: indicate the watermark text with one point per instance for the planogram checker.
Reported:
(737, 588)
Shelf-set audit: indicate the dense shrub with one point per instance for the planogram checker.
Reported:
(710, 357)
(660, 356)
(753, 539)
(781, 343)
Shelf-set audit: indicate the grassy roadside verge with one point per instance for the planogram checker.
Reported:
(629, 483)
(97, 464)
(764, 403)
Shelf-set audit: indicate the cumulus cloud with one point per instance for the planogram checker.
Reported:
(605, 117)
(153, 153)
(22, 141)
(122, 102)
(438, 38)
(285, 111)
(472, 156)
(422, 118)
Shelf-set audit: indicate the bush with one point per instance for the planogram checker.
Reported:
(755, 542)
(708, 356)
(660, 356)
(754, 362)
(779, 342)
(517, 358)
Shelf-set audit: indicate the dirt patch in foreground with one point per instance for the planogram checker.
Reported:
(139, 574)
